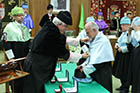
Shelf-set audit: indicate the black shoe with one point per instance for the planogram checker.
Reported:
(120, 88)
(124, 91)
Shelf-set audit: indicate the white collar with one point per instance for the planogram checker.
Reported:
(18, 24)
(49, 14)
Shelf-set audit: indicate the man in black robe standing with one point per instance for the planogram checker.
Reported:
(47, 46)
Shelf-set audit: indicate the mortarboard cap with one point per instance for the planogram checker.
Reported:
(49, 7)
(65, 17)
(134, 20)
(116, 12)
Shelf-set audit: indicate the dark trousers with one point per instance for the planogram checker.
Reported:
(103, 75)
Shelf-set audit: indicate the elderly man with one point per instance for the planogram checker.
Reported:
(47, 46)
(16, 39)
(98, 65)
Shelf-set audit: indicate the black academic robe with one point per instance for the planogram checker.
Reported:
(20, 49)
(135, 72)
(45, 18)
(122, 66)
(47, 46)
(113, 25)
(103, 75)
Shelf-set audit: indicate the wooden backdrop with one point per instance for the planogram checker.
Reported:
(38, 9)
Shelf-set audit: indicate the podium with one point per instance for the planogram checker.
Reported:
(8, 73)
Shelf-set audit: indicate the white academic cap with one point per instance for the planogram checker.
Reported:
(90, 19)
(137, 22)
(134, 20)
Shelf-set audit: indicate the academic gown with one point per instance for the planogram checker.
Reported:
(113, 25)
(134, 73)
(28, 22)
(17, 39)
(47, 46)
(102, 25)
(45, 18)
(122, 63)
(101, 56)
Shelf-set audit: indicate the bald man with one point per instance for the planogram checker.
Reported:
(101, 56)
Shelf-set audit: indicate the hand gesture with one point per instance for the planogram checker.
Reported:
(80, 67)
(84, 39)
(130, 30)
(119, 49)
(116, 46)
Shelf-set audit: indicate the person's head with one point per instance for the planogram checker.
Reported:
(18, 14)
(25, 7)
(90, 19)
(100, 15)
(136, 24)
(62, 20)
(129, 14)
(50, 8)
(125, 23)
(134, 20)
(91, 29)
(116, 14)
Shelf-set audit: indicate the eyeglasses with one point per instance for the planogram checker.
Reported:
(65, 26)
(19, 15)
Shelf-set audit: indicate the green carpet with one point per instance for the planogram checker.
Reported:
(92, 87)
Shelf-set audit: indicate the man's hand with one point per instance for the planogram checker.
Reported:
(84, 39)
(80, 67)
(130, 30)
(116, 46)
(85, 55)
(119, 49)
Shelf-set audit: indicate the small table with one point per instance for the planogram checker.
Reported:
(11, 75)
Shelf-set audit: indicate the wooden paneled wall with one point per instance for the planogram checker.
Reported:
(137, 7)
(38, 9)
